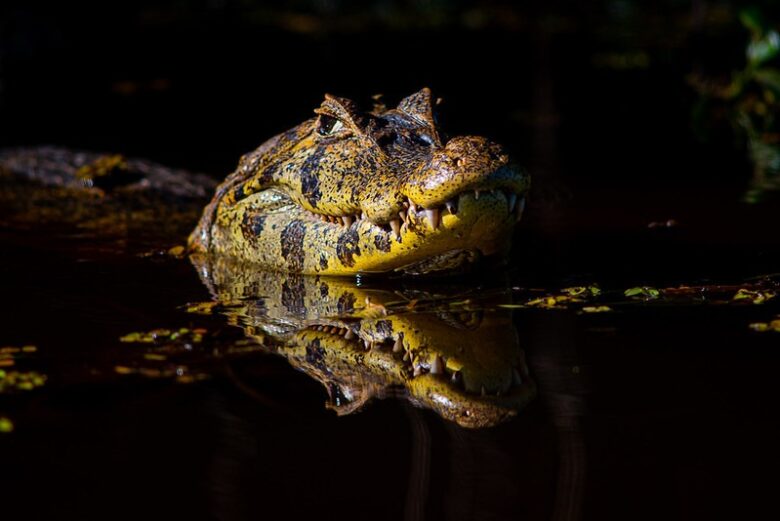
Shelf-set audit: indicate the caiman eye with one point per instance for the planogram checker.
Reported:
(328, 125)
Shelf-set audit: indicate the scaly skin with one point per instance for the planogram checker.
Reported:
(350, 192)
(461, 360)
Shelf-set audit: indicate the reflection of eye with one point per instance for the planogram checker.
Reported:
(328, 125)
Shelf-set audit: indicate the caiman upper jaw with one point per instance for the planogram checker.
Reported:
(466, 166)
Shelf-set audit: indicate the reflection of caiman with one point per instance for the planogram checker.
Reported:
(345, 192)
(461, 360)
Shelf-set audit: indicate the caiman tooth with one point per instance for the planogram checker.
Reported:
(367, 344)
(398, 345)
(476, 194)
(362, 215)
(349, 335)
(483, 391)
(437, 367)
(402, 215)
(417, 370)
(334, 330)
(434, 216)
(407, 356)
(412, 206)
(395, 224)
(512, 200)
(347, 220)
(520, 208)
(516, 378)
(451, 207)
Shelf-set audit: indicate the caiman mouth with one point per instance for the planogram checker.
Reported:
(410, 212)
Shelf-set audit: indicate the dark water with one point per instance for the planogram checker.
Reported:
(665, 409)
(657, 409)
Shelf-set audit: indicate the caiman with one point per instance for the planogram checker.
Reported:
(352, 192)
(343, 193)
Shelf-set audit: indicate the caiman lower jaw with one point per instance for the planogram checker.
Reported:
(269, 228)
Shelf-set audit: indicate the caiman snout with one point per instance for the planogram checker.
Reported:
(465, 163)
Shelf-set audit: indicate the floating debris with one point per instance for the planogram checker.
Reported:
(763, 327)
(549, 302)
(177, 251)
(755, 296)
(596, 309)
(6, 425)
(583, 291)
(643, 292)
(158, 336)
(21, 381)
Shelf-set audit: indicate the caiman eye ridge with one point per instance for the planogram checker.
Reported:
(414, 365)
(515, 206)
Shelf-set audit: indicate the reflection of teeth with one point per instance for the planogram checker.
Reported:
(520, 208)
(437, 367)
(483, 391)
(516, 378)
(512, 199)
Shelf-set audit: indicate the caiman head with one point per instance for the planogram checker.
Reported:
(458, 356)
(352, 192)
